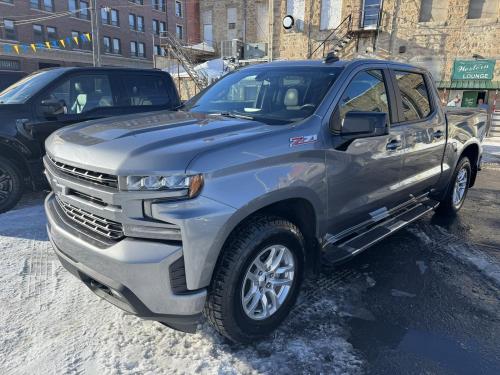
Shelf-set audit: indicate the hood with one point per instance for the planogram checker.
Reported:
(155, 142)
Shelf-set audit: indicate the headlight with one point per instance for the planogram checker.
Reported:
(190, 184)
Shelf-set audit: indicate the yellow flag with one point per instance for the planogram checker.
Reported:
(47, 44)
(16, 48)
(62, 43)
(87, 35)
(75, 38)
(33, 47)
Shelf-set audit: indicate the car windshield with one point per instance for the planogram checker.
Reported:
(24, 89)
(274, 95)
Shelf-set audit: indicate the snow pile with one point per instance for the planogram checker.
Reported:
(51, 323)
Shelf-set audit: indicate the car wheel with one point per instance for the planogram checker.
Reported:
(11, 185)
(257, 279)
(457, 191)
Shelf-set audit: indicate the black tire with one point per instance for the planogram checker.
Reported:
(448, 206)
(11, 184)
(224, 306)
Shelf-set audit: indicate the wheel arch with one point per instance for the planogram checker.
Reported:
(472, 151)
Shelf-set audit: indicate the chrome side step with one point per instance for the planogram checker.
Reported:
(354, 245)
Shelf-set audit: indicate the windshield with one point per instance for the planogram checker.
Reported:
(276, 95)
(24, 89)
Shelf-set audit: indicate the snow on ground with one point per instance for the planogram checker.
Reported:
(50, 323)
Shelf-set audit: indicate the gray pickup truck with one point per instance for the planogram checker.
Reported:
(223, 207)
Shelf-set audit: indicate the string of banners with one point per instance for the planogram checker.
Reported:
(68, 42)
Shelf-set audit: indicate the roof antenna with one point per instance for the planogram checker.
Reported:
(331, 57)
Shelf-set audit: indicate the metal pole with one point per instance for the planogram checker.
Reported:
(271, 30)
(94, 22)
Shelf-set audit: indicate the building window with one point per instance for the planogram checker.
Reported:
(141, 52)
(178, 9)
(331, 14)
(163, 27)
(140, 23)
(141, 2)
(38, 33)
(117, 48)
(52, 33)
(231, 23)
(206, 18)
(483, 9)
(179, 32)
(110, 16)
(10, 30)
(133, 48)
(371, 14)
(432, 11)
(156, 27)
(48, 5)
(160, 5)
(132, 21)
(297, 9)
(8, 2)
(35, 4)
(106, 44)
(159, 51)
(84, 10)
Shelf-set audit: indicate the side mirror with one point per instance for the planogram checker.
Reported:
(51, 108)
(358, 124)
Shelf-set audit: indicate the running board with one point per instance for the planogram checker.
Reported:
(354, 245)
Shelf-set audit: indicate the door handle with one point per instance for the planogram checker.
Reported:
(438, 134)
(393, 145)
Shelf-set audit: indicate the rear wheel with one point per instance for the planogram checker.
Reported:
(257, 279)
(11, 185)
(457, 192)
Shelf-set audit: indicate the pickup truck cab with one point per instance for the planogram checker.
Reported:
(49, 99)
(223, 206)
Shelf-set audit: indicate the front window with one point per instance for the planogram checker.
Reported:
(24, 89)
(272, 95)
(10, 29)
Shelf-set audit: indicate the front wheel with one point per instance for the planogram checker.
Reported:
(11, 185)
(257, 279)
(455, 197)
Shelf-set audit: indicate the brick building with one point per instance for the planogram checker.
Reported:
(128, 31)
(435, 34)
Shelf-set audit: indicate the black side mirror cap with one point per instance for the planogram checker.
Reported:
(358, 124)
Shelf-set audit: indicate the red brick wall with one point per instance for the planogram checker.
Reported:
(193, 21)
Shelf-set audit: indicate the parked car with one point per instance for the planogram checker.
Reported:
(49, 99)
(223, 206)
(7, 78)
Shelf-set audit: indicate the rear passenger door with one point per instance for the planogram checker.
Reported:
(145, 92)
(424, 131)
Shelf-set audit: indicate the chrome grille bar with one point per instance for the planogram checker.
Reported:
(107, 228)
(96, 177)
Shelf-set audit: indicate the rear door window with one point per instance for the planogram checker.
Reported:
(145, 90)
(414, 96)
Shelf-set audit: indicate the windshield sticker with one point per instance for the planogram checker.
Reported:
(302, 140)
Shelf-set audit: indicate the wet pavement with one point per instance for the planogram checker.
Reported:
(425, 308)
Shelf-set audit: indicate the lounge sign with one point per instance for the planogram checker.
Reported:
(473, 69)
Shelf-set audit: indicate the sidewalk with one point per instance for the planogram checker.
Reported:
(491, 150)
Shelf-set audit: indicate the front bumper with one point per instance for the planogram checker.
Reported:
(132, 274)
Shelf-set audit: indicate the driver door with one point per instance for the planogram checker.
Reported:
(76, 98)
(363, 174)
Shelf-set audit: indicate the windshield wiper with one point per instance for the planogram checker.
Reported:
(232, 115)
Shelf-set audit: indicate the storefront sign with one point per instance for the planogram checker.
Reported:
(473, 69)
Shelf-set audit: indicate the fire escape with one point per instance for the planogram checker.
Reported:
(173, 45)
(337, 40)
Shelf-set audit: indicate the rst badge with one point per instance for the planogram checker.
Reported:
(302, 140)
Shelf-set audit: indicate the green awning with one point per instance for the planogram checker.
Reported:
(476, 84)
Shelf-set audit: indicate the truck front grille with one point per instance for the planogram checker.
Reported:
(107, 228)
(84, 174)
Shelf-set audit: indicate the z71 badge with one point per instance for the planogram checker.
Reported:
(302, 140)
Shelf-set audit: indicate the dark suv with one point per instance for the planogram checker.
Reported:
(32, 108)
